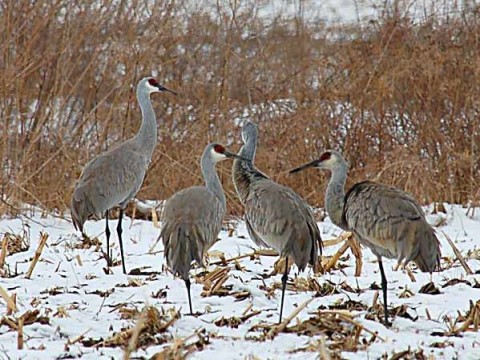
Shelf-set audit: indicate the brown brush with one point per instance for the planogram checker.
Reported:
(135, 333)
(276, 329)
(11, 306)
(458, 255)
(3, 254)
(357, 252)
(20, 333)
(38, 253)
(333, 260)
(394, 95)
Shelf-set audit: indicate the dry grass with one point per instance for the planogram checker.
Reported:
(399, 99)
(150, 328)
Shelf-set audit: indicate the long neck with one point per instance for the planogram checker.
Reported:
(147, 135)
(244, 172)
(212, 181)
(335, 196)
(249, 149)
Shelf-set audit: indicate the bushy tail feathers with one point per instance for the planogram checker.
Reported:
(317, 245)
(305, 249)
(182, 246)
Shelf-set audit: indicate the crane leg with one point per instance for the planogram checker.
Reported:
(284, 285)
(107, 233)
(384, 290)
(119, 232)
(187, 284)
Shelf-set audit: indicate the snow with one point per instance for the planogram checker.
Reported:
(361, 11)
(72, 285)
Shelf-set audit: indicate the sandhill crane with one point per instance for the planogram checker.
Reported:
(385, 219)
(275, 215)
(192, 218)
(114, 177)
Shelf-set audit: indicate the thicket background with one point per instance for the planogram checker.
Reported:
(398, 96)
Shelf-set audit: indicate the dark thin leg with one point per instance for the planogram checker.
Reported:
(107, 233)
(187, 284)
(384, 289)
(119, 232)
(284, 285)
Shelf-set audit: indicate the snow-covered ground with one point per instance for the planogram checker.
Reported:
(71, 289)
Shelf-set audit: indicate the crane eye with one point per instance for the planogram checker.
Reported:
(219, 149)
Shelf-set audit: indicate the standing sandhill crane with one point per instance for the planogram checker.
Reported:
(274, 214)
(385, 219)
(114, 177)
(192, 218)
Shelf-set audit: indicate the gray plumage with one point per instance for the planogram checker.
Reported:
(385, 219)
(114, 177)
(275, 215)
(192, 218)
(391, 224)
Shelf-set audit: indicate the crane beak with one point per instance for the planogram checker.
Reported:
(313, 163)
(163, 88)
(235, 156)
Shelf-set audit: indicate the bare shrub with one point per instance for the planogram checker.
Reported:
(398, 97)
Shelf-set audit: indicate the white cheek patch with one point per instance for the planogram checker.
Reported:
(151, 88)
(333, 161)
(217, 156)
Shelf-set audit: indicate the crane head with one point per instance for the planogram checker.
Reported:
(219, 153)
(152, 86)
(328, 160)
